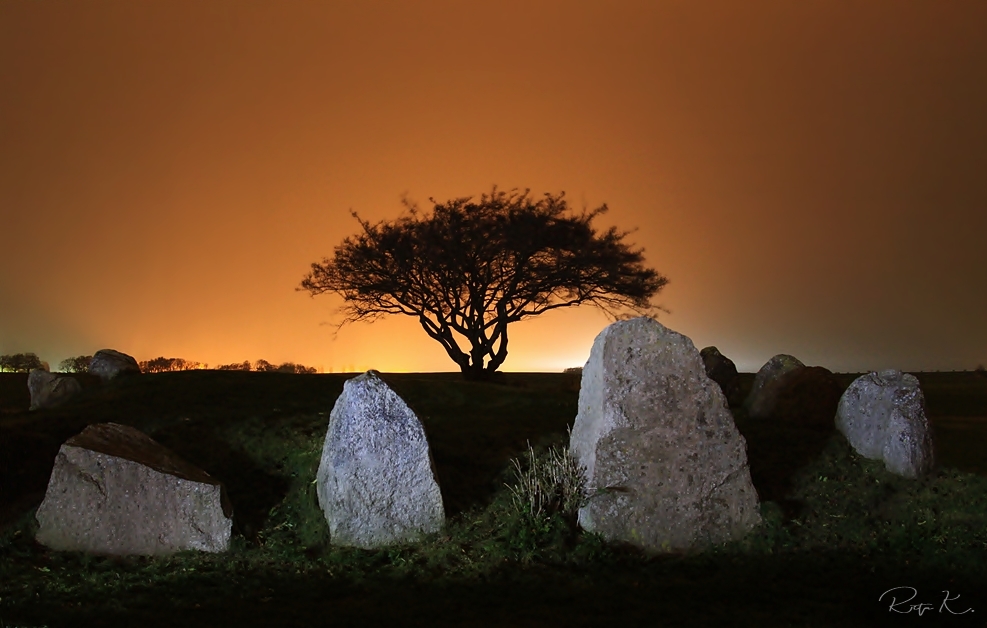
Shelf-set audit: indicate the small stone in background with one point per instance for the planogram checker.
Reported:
(808, 397)
(109, 364)
(761, 400)
(49, 390)
(723, 371)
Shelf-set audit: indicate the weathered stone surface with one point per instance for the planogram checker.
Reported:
(723, 371)
(662, 454)
(883, 417)
(49, 390)
(114, 490)
(808, 397)
(376, 481)
(761, 400)
(108, 364)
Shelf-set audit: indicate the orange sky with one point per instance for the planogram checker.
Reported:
(810, 176)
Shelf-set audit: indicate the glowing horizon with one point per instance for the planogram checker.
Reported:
(807, 175)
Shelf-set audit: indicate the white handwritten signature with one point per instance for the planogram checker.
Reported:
(905, 606)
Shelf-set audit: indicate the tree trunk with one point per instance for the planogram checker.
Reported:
(474, 373)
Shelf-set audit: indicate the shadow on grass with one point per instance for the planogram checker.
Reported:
(776, 452)
(813, 589)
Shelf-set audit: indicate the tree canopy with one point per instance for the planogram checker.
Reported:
(21, 362)
(78, 364)
(469, 269)
(163, 365)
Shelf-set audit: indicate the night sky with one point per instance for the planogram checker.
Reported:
(810, 176)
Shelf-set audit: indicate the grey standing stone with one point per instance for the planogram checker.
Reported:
(664, 460)
(883, 417)
(109, 364)
(113, 490)
(49, 390)
(376, 480)
(768, 383)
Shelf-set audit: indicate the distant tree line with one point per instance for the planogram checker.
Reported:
(21, 363)
(160, 365)
(264, 366)
(80, 364)
(163, 365)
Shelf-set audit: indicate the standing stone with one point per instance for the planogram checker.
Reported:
(49, 390)
(883, 417)
(664, 461)
(764, 394)
(723, 371)
(113, 490)
(808, 397)
(376, 481)
(108, 364)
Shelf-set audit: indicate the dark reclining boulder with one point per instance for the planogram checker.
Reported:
(49, 390)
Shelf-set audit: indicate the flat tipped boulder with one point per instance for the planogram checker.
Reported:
(109, 364)
(883, 417)
(115, 491)
(665, 464)
(376, 480)
(768, 384)
(49, 390)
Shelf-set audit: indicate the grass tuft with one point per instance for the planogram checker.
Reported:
(548, 484)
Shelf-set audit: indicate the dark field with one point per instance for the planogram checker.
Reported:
(839, 531)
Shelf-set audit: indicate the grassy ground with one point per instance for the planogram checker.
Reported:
(838, 530)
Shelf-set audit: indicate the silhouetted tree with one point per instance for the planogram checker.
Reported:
(264, 366)
(291, 367)
(78, 364)
(162, 365)
(242, 366)
(471, 269)
(157, 365)
(20, 362)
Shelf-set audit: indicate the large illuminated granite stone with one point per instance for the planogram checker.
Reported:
(376, 480)
(665, 464)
